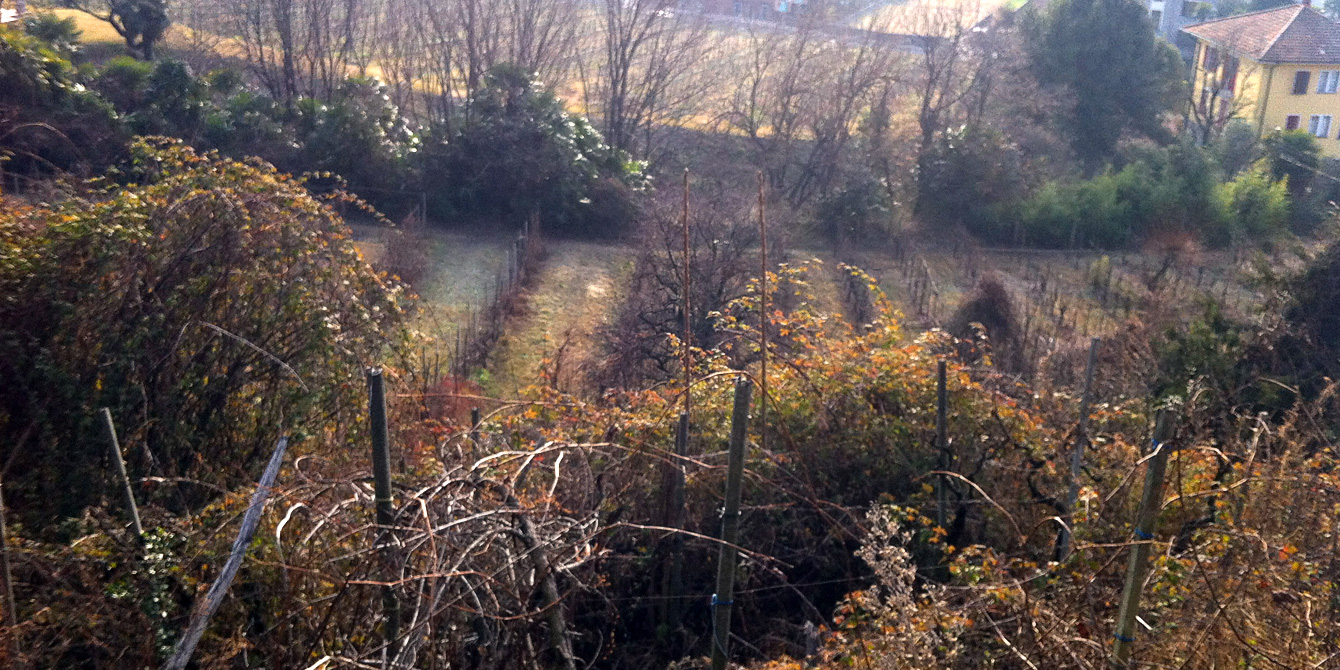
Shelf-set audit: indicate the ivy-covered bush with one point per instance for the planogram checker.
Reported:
(212, 307)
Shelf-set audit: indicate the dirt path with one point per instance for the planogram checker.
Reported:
(575, 294)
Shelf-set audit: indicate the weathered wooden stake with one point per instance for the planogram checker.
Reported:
(474, 435)
(119, 465)
(11, 605)
(204, 609)
(688, 303)
(381, 476)
(1150, 503)
(942, 443)
(724, 598)
(1077, 452)
(763, 321)
(677, 520)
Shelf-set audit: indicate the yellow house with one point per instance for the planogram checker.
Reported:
(1277, 68)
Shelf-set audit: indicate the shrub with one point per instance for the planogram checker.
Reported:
(1257, 206)
(62, 34)
(213, 308)
(358, 134)
(515, 151)
(969, 174)
(48, 121)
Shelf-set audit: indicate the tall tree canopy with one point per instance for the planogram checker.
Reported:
(1121, 76)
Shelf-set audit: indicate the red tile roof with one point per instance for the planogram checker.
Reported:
(1289, 34)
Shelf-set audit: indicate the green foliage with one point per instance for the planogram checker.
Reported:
(358, 134)
(859, 210)
(1106, 54)
(1236, 148)
(62, 34)
(1294, 154)
(141, 23)
(1176, 190)
(1256, 206)
(515, 151)
(158, 301)
(1203, 355)
(155, 99)
(968, 175)
(56, 124)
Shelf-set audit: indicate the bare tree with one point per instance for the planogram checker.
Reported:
(802, 92)
(650, 47)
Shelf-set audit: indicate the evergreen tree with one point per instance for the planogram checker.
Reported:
(1121, 76)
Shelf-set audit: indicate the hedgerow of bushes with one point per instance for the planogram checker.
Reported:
(509, 152)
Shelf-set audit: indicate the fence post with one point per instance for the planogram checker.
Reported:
(941, 442)
(11, 605)
(474, 435)
(1150, 502)
(381, 475)
(120, 466)
(676, 577)
(1077, 452)
(723, 599)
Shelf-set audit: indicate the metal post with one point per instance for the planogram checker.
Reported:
(1150, 502)
(1077, 452)
(724, 598)
(381, 476)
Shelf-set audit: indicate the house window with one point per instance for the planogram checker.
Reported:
(1300, 80)
(1319, 125)
(1291, 122)
(1230, 77)
(1211, 59)
(1157, 17)
(1327, 81)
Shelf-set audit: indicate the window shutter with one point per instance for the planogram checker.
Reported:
(1291, 122)
(1300, 81)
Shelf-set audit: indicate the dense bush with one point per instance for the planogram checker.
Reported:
(48, 121)
(968, 176)
(1160, 192)
(212, 308)
(515, 151)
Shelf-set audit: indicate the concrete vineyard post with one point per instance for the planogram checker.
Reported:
(724, 598)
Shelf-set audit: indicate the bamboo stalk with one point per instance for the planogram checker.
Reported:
(762, 321)
(942, 443)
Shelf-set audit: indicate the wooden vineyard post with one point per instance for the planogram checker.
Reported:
(119, 465)
(11, 605)
(942, 443)
(1150, 502)
(723, 599)
(763, 321)
(1077, 453)
(251, 520)
(381, 475)
(676, 578)
(474, 435)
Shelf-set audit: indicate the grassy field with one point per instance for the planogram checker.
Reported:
(576, 293)
(463, 270)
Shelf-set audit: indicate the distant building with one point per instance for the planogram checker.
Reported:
(1278, 68)
(1170, 16)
